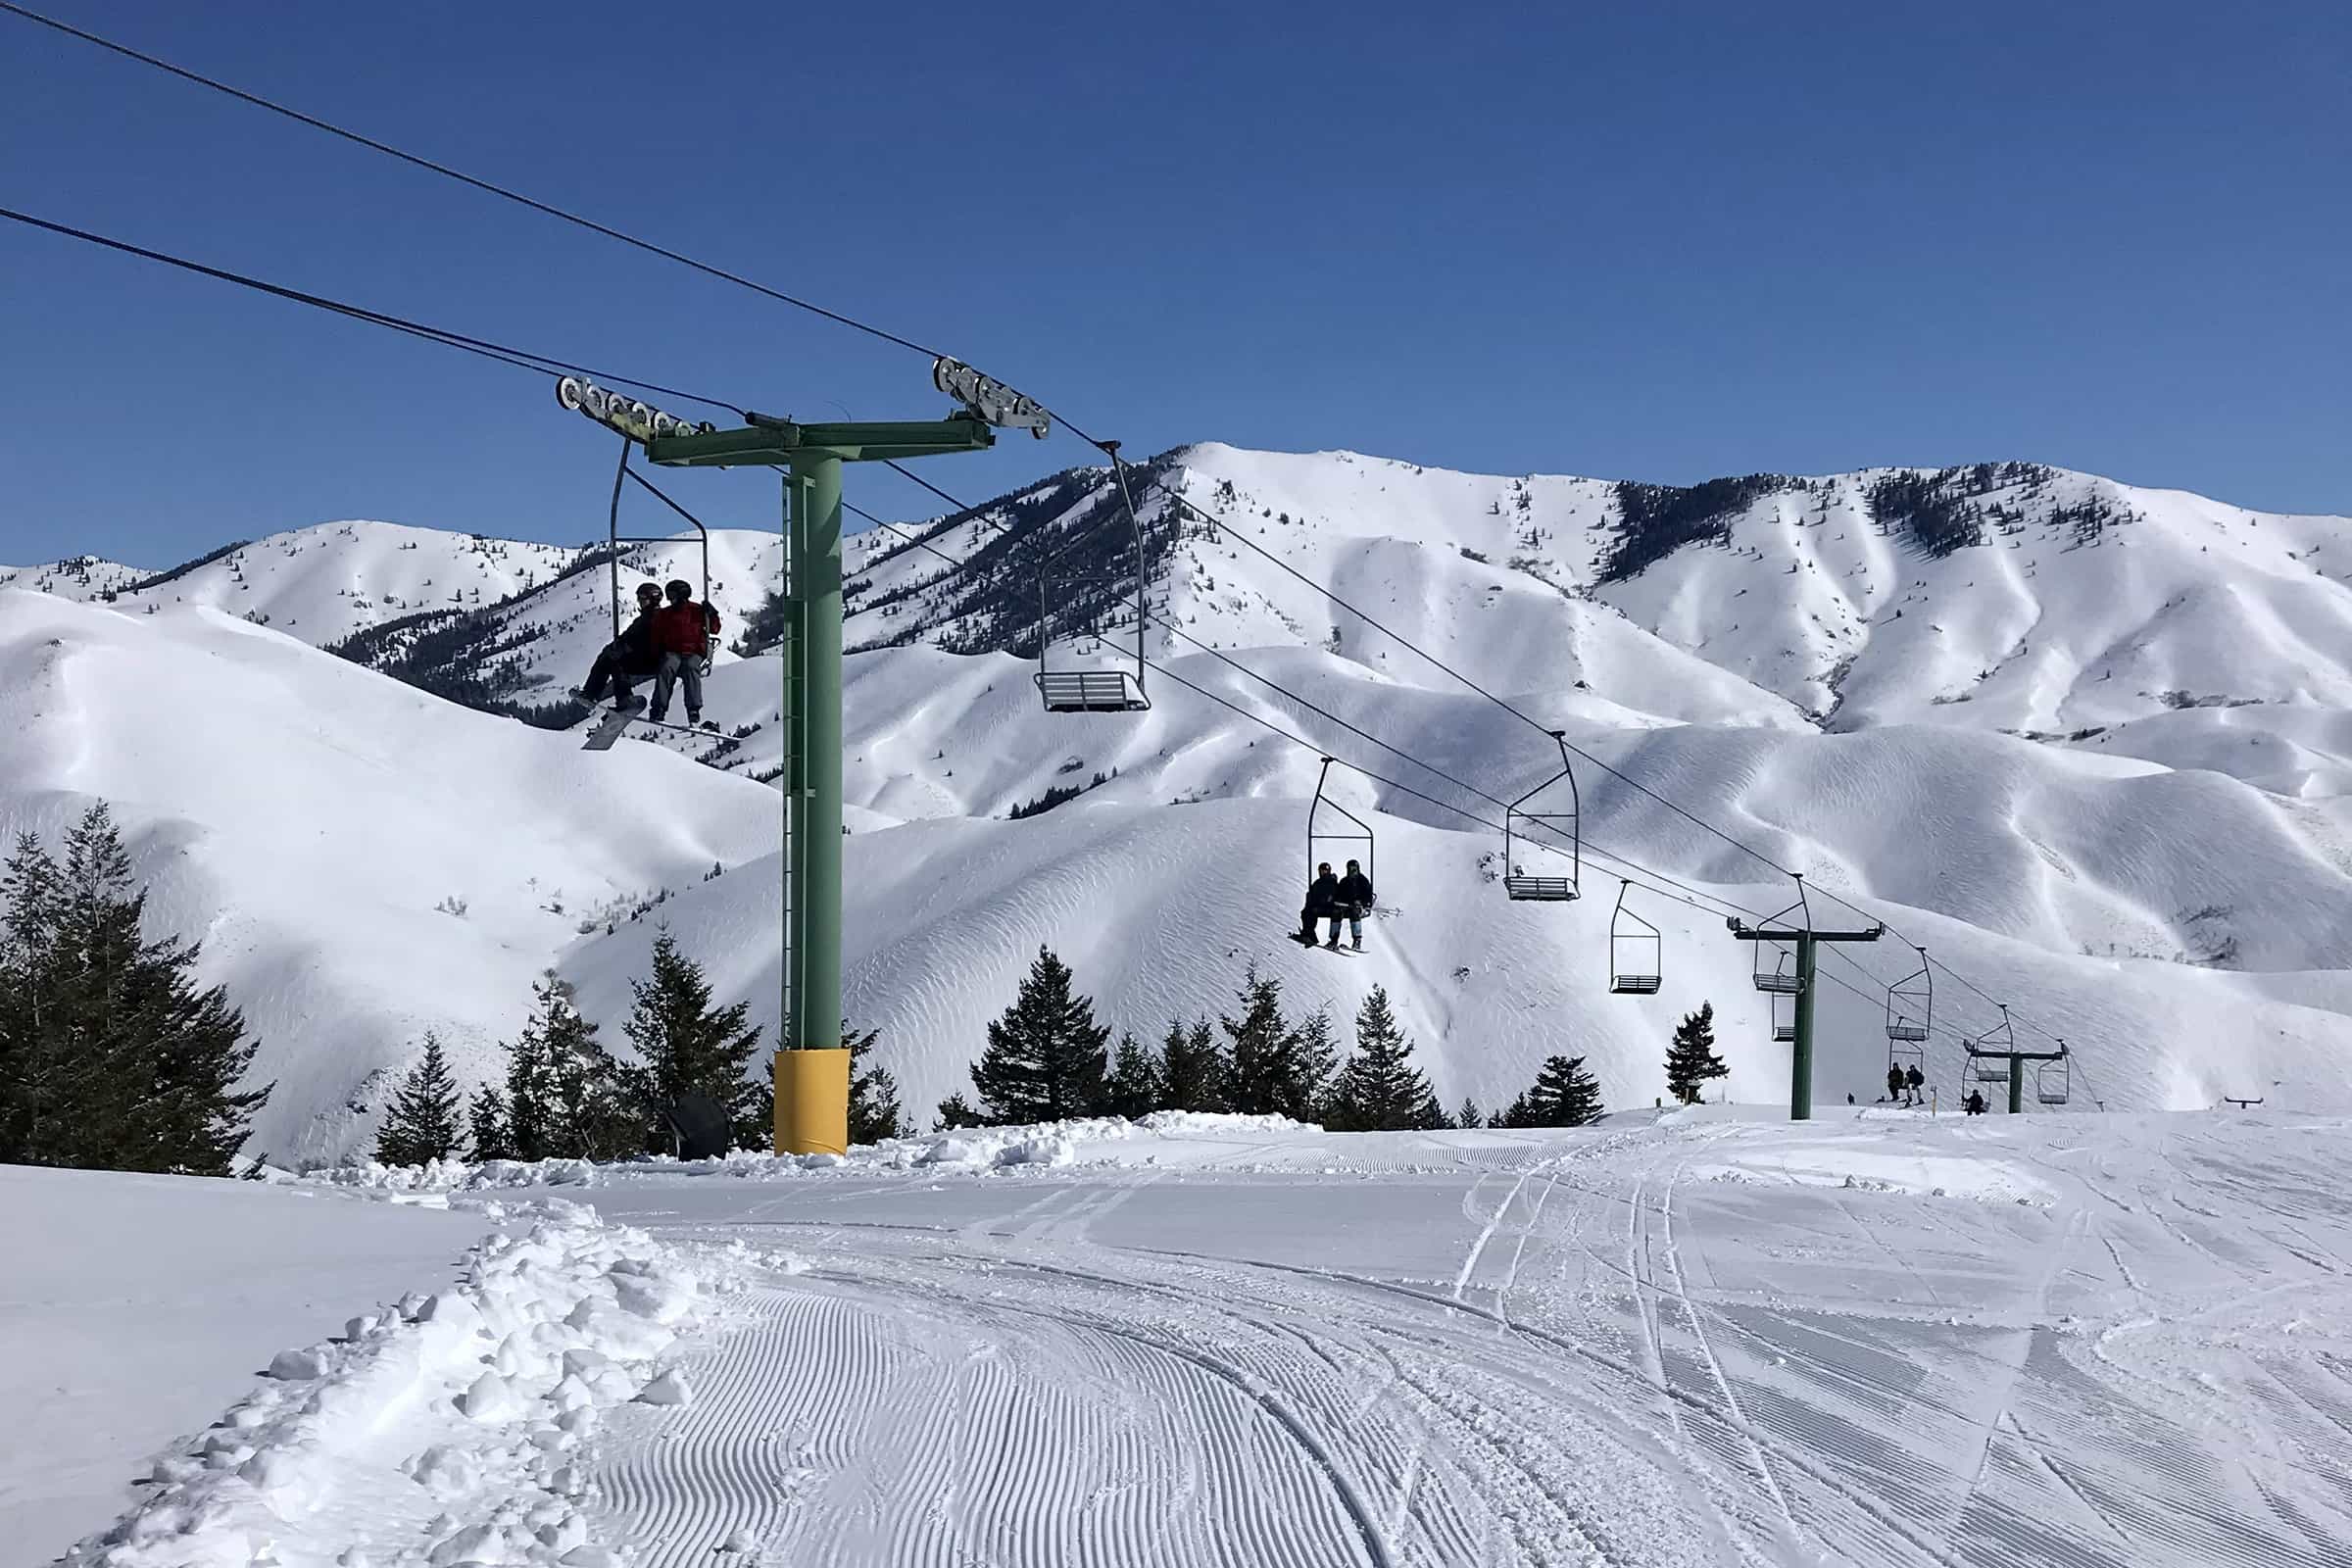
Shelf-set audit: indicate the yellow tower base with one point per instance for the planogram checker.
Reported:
(813, 1101)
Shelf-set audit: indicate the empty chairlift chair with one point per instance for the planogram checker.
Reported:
(1079, 597)
(1541, 818)
(1784, 1017)
(2053, 1079)
(1635, 950)
(1988, 1058)
(1776, 965)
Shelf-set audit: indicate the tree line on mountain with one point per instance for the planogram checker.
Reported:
(111, 1056)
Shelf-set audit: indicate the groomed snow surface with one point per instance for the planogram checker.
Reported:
(1696, 1338)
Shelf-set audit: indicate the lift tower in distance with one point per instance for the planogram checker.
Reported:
(1804, 938)
(812, 1066)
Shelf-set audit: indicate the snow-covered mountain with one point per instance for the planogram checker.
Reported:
(2089, 742)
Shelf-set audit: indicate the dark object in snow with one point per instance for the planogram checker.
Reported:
(700, 1124)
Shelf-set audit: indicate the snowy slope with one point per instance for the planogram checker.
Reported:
(2170, 888)
(1699, 1340)
(138, 1308)
(319, 826)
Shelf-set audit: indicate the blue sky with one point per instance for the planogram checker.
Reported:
(1657, 242)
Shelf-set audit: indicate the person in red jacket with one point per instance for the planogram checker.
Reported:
(682, 631)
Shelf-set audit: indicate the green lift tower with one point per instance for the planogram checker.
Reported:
(811, 1065)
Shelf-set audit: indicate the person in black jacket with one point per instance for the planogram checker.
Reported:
(628, 658)
(1912, 1082)
(1354, 902)
(1322, 896)
(1976, 1101)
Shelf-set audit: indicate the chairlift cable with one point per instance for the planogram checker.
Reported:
(446, 172)
(505, 354)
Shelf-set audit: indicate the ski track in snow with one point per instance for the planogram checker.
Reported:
(1744, 1374)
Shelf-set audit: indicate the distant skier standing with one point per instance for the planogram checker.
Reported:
(628, 658)
(1322, 896)
(1354, 902)
(682, 632)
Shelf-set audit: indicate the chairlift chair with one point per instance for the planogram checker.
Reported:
(1784, 1017)
(1991, 1070)
(1090, 691)
(615, 538)
(1348, 829)
(1776, 965)
(1911, 1004)
(2053, 1079)
(1552, 823)
(1635, 950)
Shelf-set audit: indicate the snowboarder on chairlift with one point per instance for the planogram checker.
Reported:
(1354, 902)
(628, 658)
(682, 632)
(1976, 1101)
(1913, 1081)
(1322, 896)
(1894, 1084)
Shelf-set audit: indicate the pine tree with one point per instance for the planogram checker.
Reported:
(422, 1123)
(1136, 1081)
(1564, 1095)
(1469, 1115)
(1192, 1069)
(109, 1055)
(1045, 1055)
(486, 1125)
(874, 1112)
(956, 1112)
(1380, 1089)
(687, 1046)
(1263, 1053)
(1690, 1059)
(1314, 1062)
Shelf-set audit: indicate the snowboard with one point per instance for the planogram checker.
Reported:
(608, 729)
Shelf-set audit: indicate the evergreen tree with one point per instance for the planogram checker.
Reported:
(1381, 1090)
(687, 1046)
(956, 1112)
(1469, 1115)
(1136, 1083)
(109, 1055)
(582, 1105)
(422, 1123)
(874, 1112)
(1263, 1054)
(1314, 1061)
(1192, 1069)
(1564, 1095)
(486, 1125)
(1045, 1055)
(1690, 1059)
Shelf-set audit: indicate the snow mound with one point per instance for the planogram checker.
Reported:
(455, 1423)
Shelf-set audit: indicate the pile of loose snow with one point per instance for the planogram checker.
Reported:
(1078, 1140)
(454, 1421)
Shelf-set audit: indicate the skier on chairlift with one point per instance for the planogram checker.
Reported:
(682, 632)
(1894, 1084)
(1912, 1082)
(1322, 898)
(1976, 1101)
(627, 659)
(1354, 902)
